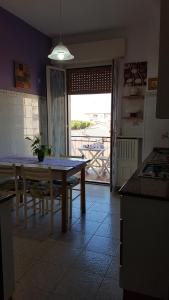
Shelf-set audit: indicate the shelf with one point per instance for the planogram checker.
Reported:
(134, 97)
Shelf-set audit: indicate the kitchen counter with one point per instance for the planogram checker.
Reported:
(156, 188)
(6, 247)
(144, 230)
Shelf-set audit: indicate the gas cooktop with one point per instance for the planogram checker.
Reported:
(158, 166)
(156, 170)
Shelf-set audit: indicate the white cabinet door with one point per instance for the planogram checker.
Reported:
(162, 109)
(145, 246)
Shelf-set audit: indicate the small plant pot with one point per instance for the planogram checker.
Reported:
(41, 155)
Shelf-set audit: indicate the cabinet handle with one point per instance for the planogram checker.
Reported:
(121, 242)
(121, 254)
(121, 230)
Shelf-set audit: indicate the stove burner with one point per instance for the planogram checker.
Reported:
(154, 170)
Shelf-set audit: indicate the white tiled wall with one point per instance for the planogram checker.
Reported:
(19, 117)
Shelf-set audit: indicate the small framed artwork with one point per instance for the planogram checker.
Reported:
(135, 74)
(22, 76)
(152, 84)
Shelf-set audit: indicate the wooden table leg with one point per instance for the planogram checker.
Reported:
(64, 204)
(83, 196)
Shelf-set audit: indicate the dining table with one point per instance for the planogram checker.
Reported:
(62, 169)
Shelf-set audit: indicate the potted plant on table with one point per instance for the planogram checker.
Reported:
(38, 149)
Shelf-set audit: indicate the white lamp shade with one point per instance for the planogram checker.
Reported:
(60, 52)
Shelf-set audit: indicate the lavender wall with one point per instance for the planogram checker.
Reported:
(20, 42)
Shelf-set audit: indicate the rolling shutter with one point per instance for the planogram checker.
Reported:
(91, 80)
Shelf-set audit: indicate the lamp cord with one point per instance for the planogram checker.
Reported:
(60, 14)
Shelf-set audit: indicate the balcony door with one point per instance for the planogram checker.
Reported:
(96, 80)
(90, 101)
(57, 110)
(90, 120)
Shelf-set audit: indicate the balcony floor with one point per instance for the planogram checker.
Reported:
(91, 176)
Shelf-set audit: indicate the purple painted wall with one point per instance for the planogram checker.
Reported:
(21, 42)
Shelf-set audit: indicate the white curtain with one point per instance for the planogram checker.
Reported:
(57, 116)
(43, 120)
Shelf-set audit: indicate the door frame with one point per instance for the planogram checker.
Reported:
(111, 143)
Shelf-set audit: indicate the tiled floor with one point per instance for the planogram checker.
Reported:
(81, 264)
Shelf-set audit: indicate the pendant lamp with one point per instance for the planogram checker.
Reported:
(60, 51)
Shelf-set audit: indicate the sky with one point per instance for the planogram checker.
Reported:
(98, 103)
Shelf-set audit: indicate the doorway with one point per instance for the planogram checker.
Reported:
(89, 133)
(87, 81)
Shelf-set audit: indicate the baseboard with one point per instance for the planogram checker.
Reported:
(128, 295)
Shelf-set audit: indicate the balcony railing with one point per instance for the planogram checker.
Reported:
(99, 169)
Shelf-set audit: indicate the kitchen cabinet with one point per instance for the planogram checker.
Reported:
(162, 108)
(6, 248)
(144, 246)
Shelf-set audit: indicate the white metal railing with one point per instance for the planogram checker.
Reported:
(79, 141)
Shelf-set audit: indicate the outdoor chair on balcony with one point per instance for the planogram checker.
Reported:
(105, 165)
(72, 183)
(38, 184)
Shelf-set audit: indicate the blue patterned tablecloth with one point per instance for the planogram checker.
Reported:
(52, 162)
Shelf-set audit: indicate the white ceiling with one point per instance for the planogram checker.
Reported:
(80, 16)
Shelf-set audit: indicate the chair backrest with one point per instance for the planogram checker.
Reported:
(8, 172)
(34, 173)
(37, 174)
(72, 156)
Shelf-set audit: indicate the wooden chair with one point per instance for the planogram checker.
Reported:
(38, 183)
(72, 182)
(10, 182)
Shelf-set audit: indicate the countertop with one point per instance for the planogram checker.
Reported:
(148, 187)
(6, 196)
(129, 137)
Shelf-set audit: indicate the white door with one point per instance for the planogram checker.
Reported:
(57, 110)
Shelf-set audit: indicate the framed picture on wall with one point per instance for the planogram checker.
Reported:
(152, 84)
(135, 74)
(22, 76)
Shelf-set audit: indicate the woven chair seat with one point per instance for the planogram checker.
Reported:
(71, 181)
(42, 189)
(8, 185)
